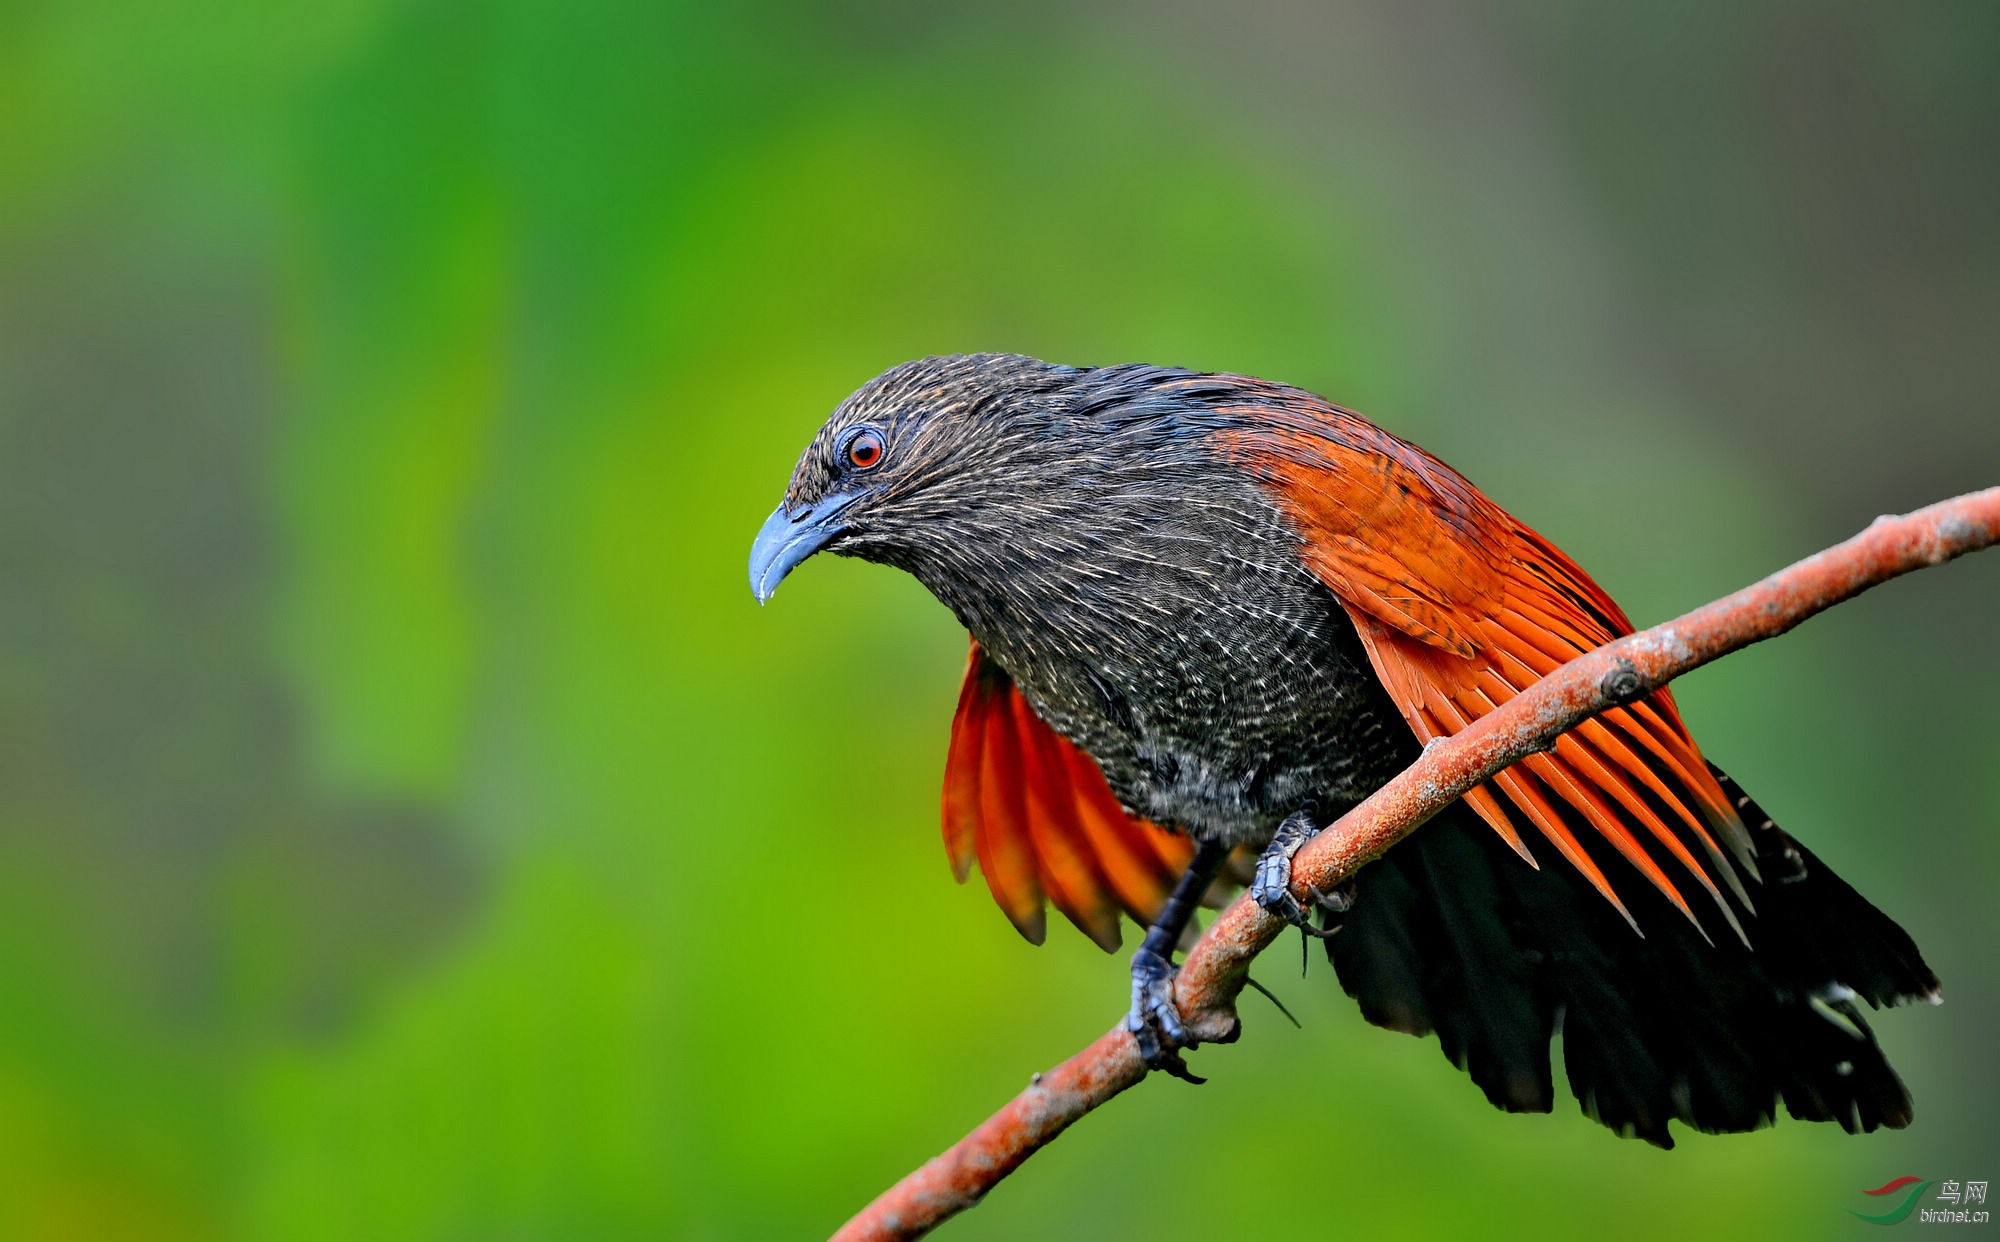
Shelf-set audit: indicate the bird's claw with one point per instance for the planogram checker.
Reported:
(1154, 1020)
(1272, 886)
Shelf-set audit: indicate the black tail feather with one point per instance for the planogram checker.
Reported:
(1452, 932)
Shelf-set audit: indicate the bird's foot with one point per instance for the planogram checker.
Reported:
(1155, 1022)
(1272, 887)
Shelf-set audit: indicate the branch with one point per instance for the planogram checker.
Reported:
(1215, 969)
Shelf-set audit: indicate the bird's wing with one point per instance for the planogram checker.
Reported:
(1461, 607)
(1037, 814)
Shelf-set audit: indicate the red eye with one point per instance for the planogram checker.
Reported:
(864, 451)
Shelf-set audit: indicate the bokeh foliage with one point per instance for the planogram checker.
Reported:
(409, 827)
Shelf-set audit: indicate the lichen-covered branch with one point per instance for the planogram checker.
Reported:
(1215, 969)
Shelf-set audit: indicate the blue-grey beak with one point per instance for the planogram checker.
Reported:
(789, 538)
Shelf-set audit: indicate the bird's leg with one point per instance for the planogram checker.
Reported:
(1272, 887)
(1154, 1021)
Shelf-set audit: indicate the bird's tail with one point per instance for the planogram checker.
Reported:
(1452, 932)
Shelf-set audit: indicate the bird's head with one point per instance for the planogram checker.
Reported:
(911, 466)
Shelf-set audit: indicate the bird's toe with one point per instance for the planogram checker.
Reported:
(1272, 886)
(1154, 1019)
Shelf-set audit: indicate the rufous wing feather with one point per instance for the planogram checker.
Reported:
(1036, 813)
(1461, 607)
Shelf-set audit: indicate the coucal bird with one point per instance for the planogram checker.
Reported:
(1210, 612)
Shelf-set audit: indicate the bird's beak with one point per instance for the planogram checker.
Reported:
(788, 538)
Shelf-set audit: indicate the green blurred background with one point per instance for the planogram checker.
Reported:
(409, 826)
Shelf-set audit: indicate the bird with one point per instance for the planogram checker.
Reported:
(1210, 613)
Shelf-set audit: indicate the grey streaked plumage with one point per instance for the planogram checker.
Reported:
(1146, 596)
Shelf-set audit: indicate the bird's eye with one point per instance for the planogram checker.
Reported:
(864, 452)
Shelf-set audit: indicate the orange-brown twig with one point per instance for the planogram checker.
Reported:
(1215, 969)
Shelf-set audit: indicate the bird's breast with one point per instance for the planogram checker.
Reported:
(1214, 679)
